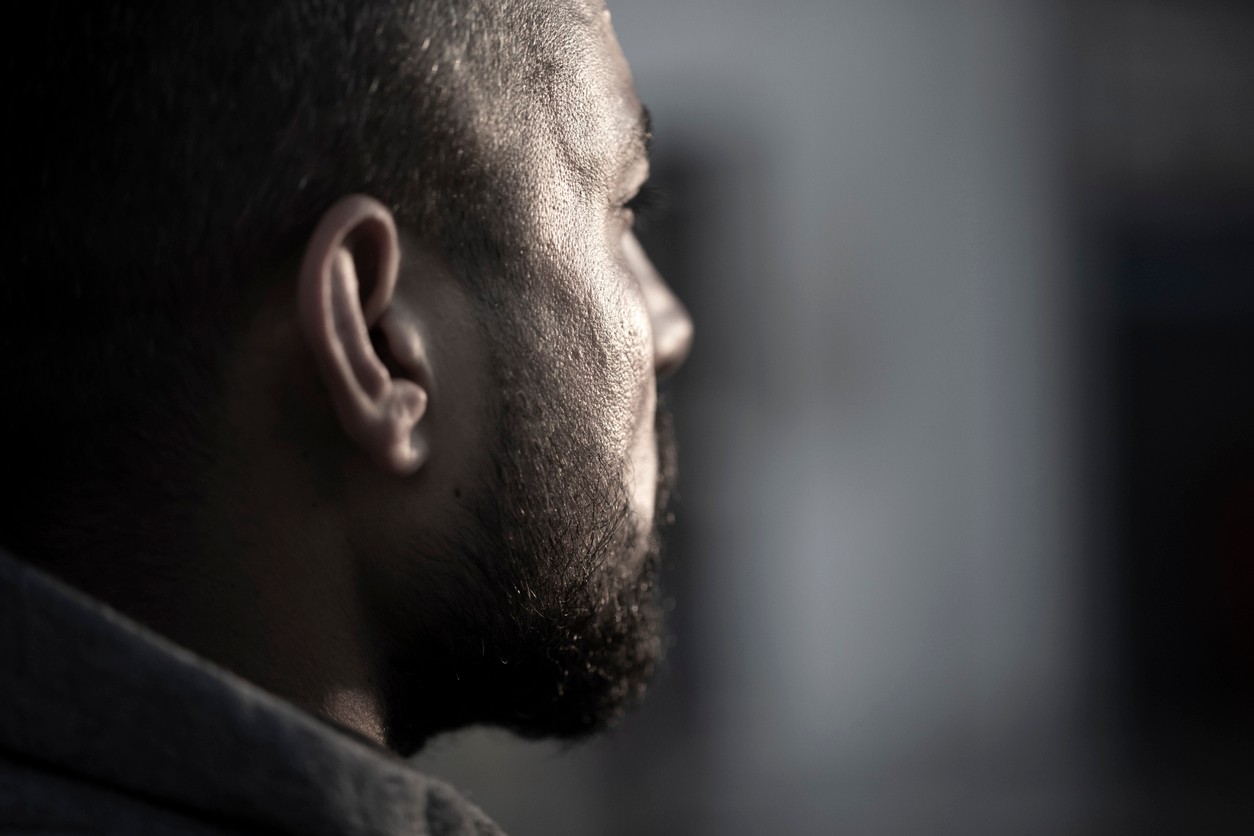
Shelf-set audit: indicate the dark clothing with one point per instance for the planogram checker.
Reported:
(107, 727)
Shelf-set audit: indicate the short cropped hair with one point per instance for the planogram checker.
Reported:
(167, 158)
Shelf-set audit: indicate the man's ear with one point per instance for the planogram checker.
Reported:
(345, 289)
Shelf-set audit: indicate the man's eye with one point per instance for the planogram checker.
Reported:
(647, 205)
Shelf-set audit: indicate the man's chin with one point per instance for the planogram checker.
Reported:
(586, 676)
(557, 628)
(592, 658)
(564, 663)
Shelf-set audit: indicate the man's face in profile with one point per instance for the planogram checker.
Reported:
(554, 625)
(411, 482)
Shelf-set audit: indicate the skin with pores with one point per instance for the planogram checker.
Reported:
(459, 484)
(334, 357)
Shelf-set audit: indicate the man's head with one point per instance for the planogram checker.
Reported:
(329, 341)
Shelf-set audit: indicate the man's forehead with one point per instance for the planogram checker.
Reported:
(603, 115)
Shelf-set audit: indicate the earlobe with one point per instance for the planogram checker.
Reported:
(355, 248)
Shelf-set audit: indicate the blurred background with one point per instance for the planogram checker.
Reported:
(966, 532)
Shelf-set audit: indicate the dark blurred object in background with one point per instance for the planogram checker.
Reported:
(1166, 139)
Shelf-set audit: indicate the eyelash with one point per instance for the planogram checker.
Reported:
(647, 204)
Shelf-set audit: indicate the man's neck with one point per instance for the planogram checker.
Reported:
(271, 599)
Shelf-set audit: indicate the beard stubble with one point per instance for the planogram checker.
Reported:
(551, 623)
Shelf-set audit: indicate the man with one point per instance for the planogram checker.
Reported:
(329, 359)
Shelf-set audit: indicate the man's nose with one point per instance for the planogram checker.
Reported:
(672, 326)
(672, 329)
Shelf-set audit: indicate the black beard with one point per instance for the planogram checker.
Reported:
(552, 624)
